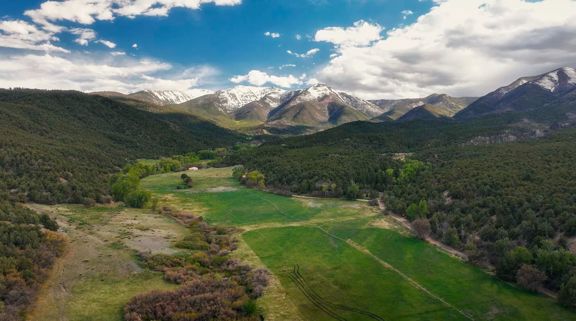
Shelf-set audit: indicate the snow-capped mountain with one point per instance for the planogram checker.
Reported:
(524, 94)
(161, 97)
(232, 99)
(320, 105)
(323, 93)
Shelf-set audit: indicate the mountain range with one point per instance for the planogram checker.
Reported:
(318, 107)
(264, 109)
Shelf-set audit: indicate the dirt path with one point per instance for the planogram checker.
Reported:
(412, 282)
(388, 266)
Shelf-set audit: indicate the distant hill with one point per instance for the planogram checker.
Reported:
(59, 146)
(438, 104)
(424, 112)
(527, 93)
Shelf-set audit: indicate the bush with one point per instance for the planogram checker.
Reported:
(530, 278)
(138, 198)
(567, 295)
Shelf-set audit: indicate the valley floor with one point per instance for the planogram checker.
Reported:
(331, 260)
(341, 260)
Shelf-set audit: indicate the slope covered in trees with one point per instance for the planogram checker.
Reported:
(491, 187)
(60, 146)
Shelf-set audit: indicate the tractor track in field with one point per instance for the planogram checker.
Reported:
(321, 303)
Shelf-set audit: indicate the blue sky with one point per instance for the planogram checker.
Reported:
(187, 45)
(231, 38)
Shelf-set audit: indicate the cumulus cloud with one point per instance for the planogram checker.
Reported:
(260, 78)
(460, 47)
(362, 33)
(135, 45)
(272, 34)
(307, 54)
(94, 73)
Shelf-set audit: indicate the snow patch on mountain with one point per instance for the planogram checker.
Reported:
(320, 92)
(169, 97)
(557, 80)
(560, 79)
(234, 98)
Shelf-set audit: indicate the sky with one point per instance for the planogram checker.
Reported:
(371, 48)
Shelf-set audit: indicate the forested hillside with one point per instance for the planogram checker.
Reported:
(59, 146)
(493, 187)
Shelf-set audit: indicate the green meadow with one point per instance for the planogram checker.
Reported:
(340, 260)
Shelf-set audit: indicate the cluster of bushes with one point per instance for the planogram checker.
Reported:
(125, 186)
(201, 299)
(215, 286)
(249, 178)
(28, 248)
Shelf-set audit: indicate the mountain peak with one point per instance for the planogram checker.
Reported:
(525, 93)
(238, 96)
(559, 79)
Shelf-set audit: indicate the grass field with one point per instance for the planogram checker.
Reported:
(330, 259)
(221, 200)
(333, 264)
(99, 273)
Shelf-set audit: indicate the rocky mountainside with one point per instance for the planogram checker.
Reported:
(524, 94)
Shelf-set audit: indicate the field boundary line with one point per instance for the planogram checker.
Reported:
(387, 265)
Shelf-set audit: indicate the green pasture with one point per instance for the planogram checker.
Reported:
(334, 264)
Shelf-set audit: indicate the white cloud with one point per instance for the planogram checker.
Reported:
(107, 43)
(298, 36)
(307, 54)
(89, 11)
(20, 34)
(135, 45)
(118, 53)
(362, 33)
(287, 66)
(406, 13)
(460, 48)
(272, 34)
(260, 78)
(84, 35)
(23, 35)
(95, 73)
